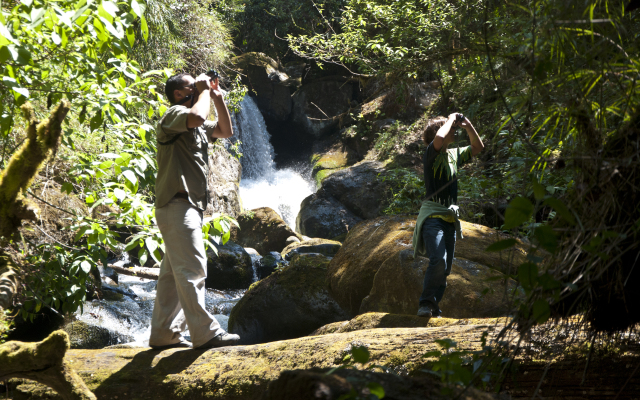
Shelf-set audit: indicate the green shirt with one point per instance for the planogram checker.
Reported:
(184, 164)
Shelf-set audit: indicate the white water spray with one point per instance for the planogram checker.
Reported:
(262, 185)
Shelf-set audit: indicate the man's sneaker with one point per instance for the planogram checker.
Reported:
(424, 312)
(221, 340)
(182, 343)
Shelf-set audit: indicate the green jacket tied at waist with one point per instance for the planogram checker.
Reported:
(430, 208)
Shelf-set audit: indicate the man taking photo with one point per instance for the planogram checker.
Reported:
(435, 232)
(183, 136)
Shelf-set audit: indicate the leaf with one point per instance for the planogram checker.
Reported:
(67, 187)
(131, 37)
(518, 212)
(528, 275)
(135, 7)
(151, 244)
(120, 194)
(130, 176)
(85, 266)
(538, 191)
(561, 209)
(376, 389)
(502, 245)
(547, 238)
(541, 311)
(360, 354)
(131, 245)
(144, 28)
(55, 38)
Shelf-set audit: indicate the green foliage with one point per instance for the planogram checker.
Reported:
(463, 368)
(407, 190)
(360, 390)
(262, 25)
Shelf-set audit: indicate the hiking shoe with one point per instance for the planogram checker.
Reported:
(424, 312)
(182, 343)
(221, 340)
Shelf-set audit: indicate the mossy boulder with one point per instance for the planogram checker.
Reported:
(231, 268)
(368, 245)
(263, 230)
(473, 290)
(325, 247)
(289, 303)
(83, 335)
(223, 183)
(372, 242)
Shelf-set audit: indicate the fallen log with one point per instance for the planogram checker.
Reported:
(44, 362)
(141, 272)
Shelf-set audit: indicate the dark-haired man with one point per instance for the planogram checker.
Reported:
(183, 136)
(435, 232)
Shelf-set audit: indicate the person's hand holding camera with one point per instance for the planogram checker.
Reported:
(202, 83)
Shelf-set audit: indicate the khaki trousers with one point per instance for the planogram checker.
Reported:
(180, 292)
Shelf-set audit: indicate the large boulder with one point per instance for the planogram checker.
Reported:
(324, 217)
(325, 247)
(473, 290)
(372, 242)
(318, 105)
(262, 229)
(223, 182)
(289, 303)
(267, 83)
(231, 268)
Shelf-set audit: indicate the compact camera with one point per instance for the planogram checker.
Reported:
(459, 117)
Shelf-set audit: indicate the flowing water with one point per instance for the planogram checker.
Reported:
(261, 185)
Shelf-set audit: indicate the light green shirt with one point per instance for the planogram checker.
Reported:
(184, 164)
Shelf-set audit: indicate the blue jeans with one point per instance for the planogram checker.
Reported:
(440, 242)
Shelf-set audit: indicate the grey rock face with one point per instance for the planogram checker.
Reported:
(322, 216)
(223, 183)
(316, 105)
(230, 269)
(289, 303)
(267, 84)
(325, 247)
(83, 335)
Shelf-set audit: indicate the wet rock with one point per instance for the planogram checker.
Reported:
(317, 105)
(268, 264)
(231, 268)
(361, 188)
(263, 230)
(289, 303)
(223, 181)
(83, 335)
(374, 320)
(325, 247)
(372, 242)
(324, 217)
(473, 290)
(34, 330)
(269, 84)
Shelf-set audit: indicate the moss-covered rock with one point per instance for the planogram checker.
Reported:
(372, 242)
(373, 320)
(473, 290)
(289, 303)
(244, 372)
(231, 268)
(262, 229)
(325, 247)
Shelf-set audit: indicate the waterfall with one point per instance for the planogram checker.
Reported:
(263, 185)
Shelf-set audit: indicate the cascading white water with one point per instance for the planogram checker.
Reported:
(262, 185)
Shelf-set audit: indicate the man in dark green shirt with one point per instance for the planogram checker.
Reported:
(435, 231)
